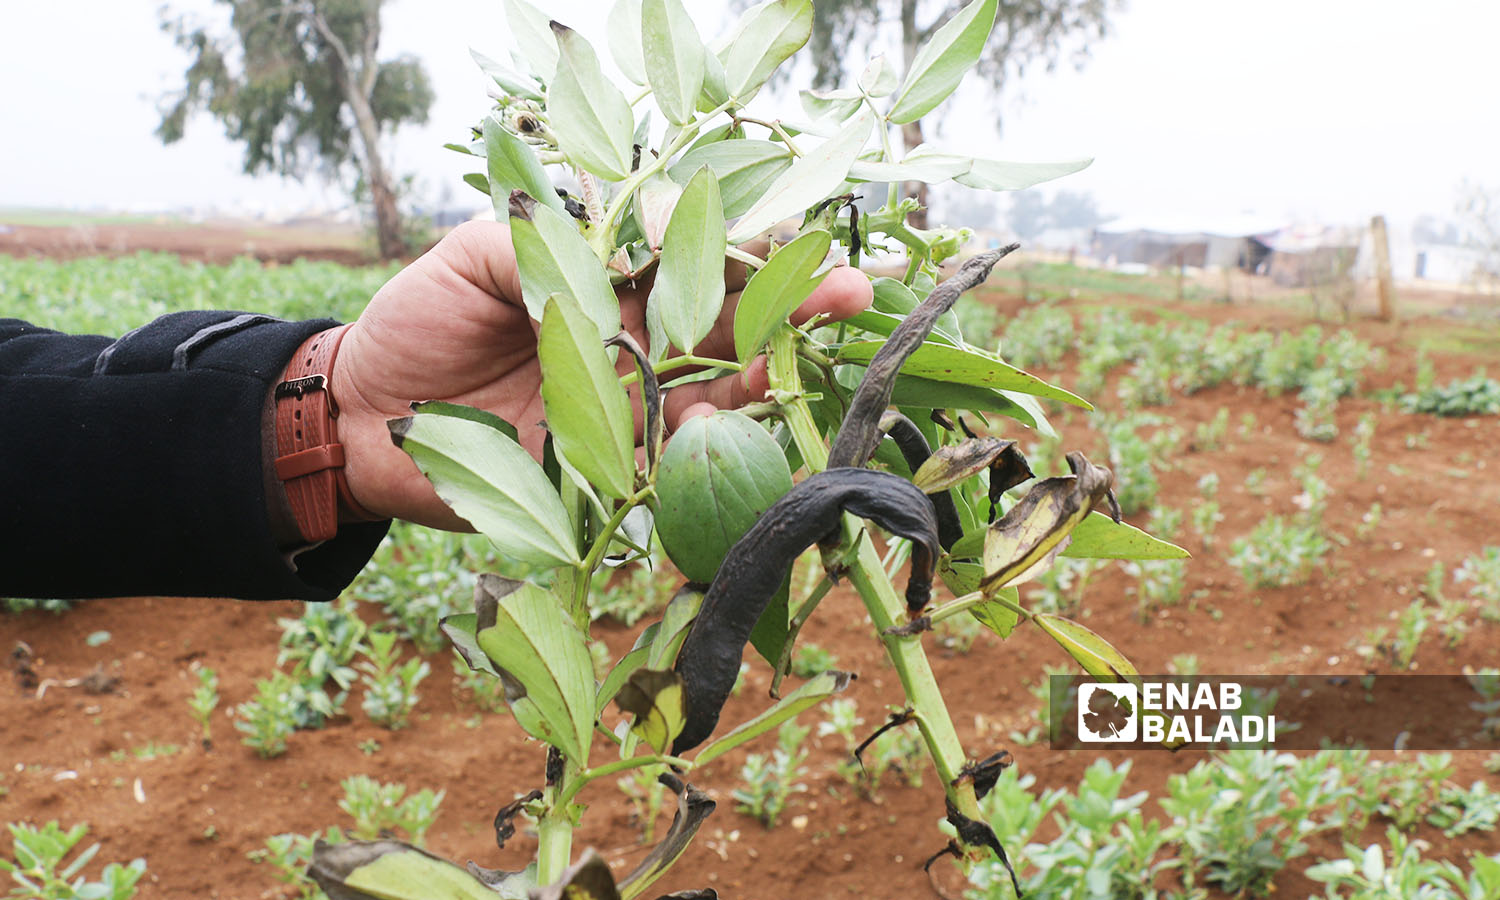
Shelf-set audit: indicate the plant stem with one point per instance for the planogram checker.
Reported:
(744, 256)
(554, 832)
(678, 362)
(619, 765)
(882, 602)
(601, 544)
(775, 128)
(602, 236)
(784, 664)
(781, 365)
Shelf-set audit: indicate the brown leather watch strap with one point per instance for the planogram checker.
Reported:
(309, 457)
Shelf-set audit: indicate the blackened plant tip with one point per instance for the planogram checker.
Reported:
(860, 431)
(650, 392)
(914, 449)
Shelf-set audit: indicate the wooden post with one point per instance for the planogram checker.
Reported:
(1383, 288)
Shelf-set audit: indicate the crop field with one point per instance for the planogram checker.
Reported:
(1335, 483)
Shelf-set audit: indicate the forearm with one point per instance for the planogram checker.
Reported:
(137, 466)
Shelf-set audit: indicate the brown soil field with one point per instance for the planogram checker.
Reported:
(67, 753)
(210, 242)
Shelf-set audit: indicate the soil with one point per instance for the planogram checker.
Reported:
(210, 242)
(195, 814)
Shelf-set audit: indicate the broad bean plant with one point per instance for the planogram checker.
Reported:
(902, 428)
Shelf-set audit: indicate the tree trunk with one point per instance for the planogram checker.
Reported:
(357, 82)
(387, 216)
(911, 133)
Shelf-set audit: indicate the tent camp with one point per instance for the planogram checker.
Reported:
(1234, 242)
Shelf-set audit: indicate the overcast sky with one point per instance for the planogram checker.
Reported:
(1195, 110)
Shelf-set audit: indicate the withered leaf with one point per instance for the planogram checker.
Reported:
(950, 465)
(389, 870)
(587, 879)
(654, 697)
(693, 807)
(980, 834)
(504, 828)
(1022, 543)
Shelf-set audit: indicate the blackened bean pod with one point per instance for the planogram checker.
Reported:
(914, 449)
(755, 566)
(860, 431)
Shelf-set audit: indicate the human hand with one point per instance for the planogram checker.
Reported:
(452, 326)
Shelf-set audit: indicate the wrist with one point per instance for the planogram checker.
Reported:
(309, 457)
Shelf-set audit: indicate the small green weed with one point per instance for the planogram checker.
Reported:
(38, 870)
(767, 782)
(390, 688)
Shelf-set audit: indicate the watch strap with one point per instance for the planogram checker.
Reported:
(309, 457)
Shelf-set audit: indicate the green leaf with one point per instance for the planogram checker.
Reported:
(932, 168)
(513, 83)
(960, 577)
(718, 474)
(392, 870)
(879, 77)
(588, 411)
(745, 169)
(486, 478)
(837, 105)
(541, 651)
(810, 179)
(810, 693)
(776, 290)
(1093, 652)
(960, 366)
(654, 697)
(689, 289)
(673, 55)
(994, 175)
(589, 115)
(941, 62)
(460, 630)
(513, 166)
(676, 620)
(555, 259)
(998, 617)
(924, 393)
(1100, 537)
(624, 27)
(891, 296)
(622, 670)
(530, 33)
(478, 182)
(715, 91)
(765, 37)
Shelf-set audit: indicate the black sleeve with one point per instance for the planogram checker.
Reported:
(133, 467)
